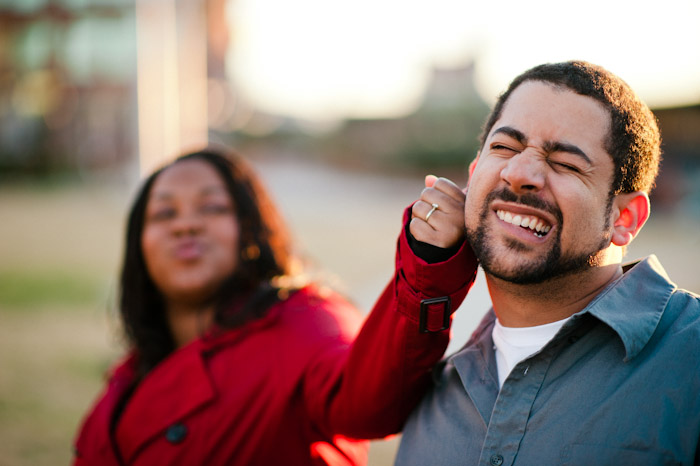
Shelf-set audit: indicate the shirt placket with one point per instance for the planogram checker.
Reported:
(512, 410)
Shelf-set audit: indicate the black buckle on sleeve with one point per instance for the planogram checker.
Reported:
(423, 316)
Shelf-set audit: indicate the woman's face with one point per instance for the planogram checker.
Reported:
(190, 238)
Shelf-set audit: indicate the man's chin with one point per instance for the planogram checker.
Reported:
(538, 272)
(517, 276)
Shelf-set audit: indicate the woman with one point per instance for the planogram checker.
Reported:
(231, 363)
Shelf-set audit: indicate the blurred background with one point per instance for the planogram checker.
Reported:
(342, 106)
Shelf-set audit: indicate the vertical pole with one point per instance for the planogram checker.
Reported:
(171, 79)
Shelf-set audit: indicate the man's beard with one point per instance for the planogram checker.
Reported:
(550, 265)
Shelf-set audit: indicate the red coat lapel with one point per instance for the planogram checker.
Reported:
(173, 390)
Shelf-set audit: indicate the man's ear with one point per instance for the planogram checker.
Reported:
(472, 165)
(631, 211)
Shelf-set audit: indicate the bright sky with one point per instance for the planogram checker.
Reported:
(326, 59)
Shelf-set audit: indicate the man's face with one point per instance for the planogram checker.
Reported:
(538, 204)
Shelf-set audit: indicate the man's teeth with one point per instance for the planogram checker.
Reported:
(538, 227)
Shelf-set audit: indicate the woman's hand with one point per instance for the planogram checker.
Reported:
(438, 216)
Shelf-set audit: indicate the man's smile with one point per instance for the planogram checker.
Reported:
(538, 226)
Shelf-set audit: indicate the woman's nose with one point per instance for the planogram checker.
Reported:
(524, 172)
(188, 223)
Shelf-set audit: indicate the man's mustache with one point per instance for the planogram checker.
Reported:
(527, 199)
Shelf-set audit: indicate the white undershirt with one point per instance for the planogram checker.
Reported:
(513, 344)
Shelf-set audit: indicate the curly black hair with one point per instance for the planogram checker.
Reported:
(634, 141)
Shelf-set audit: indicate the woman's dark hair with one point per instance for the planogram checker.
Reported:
(264, 253)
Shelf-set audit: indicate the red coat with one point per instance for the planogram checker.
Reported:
(284, 388)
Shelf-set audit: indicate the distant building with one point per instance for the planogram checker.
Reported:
(67, 99)
(680, 130)
(443, 131)
(678, 185)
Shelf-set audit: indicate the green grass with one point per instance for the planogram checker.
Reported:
(23, 289)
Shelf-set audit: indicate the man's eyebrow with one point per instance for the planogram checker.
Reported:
(549, 146)
(512, 132)
(557, 146)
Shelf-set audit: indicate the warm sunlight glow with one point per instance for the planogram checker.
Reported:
(365, 58)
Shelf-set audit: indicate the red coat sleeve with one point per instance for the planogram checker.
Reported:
(372, 389)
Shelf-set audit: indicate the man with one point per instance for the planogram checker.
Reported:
(581, 361)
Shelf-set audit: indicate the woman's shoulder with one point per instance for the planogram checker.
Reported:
(123, 369)
(305, 316)
(319, 299)
(317, 307)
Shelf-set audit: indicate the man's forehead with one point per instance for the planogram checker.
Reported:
(544, 106)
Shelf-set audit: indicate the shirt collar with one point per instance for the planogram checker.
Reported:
(633, 305)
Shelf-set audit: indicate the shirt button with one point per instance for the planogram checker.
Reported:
(496, 460)
(176, 433)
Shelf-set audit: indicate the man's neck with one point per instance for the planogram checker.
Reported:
(550, 301)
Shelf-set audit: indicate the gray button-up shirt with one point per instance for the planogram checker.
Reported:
(619, 384)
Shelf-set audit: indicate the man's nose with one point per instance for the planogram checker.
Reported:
(524, 172)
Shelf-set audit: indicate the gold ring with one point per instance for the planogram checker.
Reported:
(435, 207)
